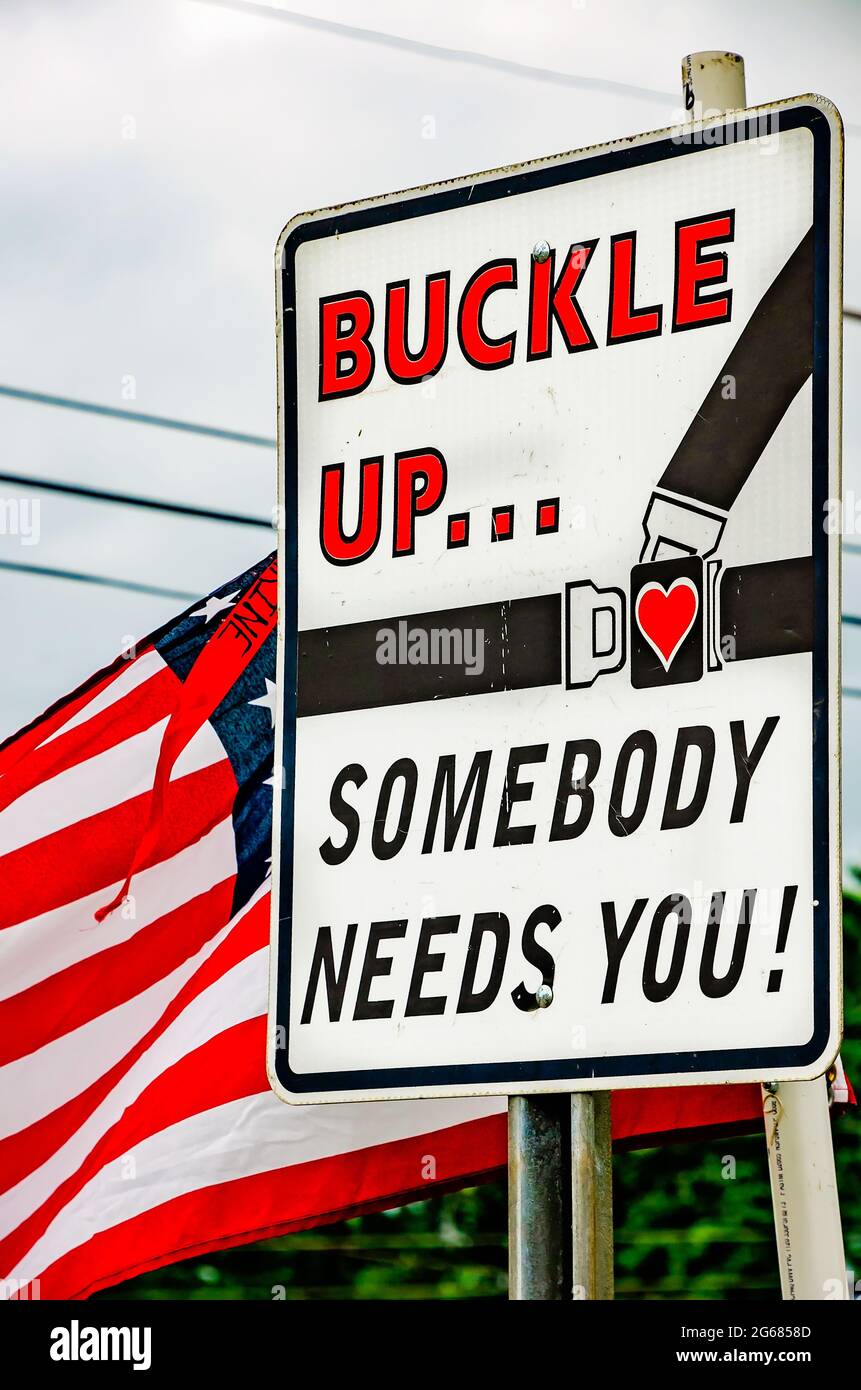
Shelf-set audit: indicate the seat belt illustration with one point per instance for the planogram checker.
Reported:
(688, 509)
(686, 613)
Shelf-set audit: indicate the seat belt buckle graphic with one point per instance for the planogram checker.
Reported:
(675, 526)
(667, 624)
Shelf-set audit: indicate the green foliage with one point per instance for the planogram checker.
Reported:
(685, 1227)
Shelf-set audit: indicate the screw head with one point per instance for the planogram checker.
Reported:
(544, 996)
(541, 252)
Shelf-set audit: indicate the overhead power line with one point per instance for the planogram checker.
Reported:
(383, 39)
(94, 494)
(133, 585)
(138, 417)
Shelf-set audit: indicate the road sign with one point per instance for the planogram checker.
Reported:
(559, 670)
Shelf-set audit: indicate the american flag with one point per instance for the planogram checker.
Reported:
(137, 1125)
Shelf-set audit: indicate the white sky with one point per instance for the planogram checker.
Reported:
(152, 257)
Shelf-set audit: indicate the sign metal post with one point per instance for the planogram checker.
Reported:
(560, 1197)
(539, 1198)
(592, 1195)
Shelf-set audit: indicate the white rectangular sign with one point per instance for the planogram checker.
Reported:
(559, 621)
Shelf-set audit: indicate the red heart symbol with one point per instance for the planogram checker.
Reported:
(666, 616)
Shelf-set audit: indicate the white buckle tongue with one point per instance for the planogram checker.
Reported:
(676, 526)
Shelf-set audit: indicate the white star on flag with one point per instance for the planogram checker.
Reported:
(215, 605)
(276, 781)
(268, 700)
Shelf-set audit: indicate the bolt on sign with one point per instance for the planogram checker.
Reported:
(559, 617)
